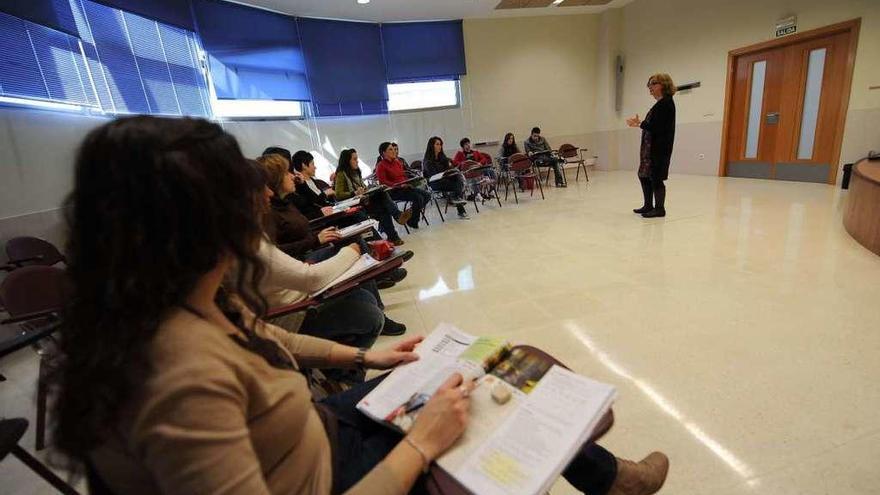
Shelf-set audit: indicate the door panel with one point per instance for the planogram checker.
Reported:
(785, 108)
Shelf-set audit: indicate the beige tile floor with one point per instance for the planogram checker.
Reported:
(742, 330)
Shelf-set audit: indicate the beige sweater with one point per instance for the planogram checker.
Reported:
(289, 280)
(215, 418)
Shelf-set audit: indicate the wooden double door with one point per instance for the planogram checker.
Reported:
(786, 106)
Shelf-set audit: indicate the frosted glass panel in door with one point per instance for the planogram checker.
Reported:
(812, 94)
(756, 101)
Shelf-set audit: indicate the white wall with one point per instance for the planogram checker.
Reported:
(656, 36)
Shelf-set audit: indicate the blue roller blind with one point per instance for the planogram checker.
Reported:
(41, 63)
(54, 14)
(140, 65)
(174, 12)
(253, 54)
(345, 67)
(423, 51)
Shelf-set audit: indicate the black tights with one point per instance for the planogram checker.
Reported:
(655, 188)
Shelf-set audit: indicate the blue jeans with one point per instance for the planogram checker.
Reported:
(354, 319)
(362, 443)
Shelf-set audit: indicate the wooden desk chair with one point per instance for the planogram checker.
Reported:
(416, 168)
(521, 168)
(11, 431)
(23, 251)
(572, 154)
(33, 297)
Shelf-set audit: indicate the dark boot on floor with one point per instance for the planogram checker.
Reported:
(642, 478)
(654, 213)
(392, 328)
(644, 209)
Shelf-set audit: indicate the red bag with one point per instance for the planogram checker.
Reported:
(381, 249)
(527, 183)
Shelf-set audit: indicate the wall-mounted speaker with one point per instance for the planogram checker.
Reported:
(685, 87)
(618, 83)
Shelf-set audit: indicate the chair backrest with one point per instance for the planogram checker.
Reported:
(519, 162)
(568, 151)
(32, 251)
(33, 289)
(416, 165)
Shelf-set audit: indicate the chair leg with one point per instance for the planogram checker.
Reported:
(42, 399)
(44, 472)
(437, 204)
(541, 188)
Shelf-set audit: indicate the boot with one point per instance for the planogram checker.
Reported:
(642, 478)
(643, 209)
(654, 213)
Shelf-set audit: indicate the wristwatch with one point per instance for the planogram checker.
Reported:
(360, 357)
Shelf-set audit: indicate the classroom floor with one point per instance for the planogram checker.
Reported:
(742, 331)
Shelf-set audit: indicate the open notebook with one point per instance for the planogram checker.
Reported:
(358, 228)
(364, 263)
(520, 446)
(348, 203)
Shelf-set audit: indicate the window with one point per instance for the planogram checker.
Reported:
(42, 64)
(237, 109)
(422, 95)
(139, 65)
(122, 63)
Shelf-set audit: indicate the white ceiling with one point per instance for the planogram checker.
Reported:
(414, 10)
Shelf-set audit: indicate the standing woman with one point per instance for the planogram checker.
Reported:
(348, 182)
(658, 134)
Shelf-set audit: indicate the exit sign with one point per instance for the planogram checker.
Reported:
(786, 26)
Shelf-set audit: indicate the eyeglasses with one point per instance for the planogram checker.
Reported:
(651, 83)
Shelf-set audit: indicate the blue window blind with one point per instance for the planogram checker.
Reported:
(262, 61)
(140, 65)
(345, 67)
(174, 12)
(423, 51)
(54, 14)
(41, 63)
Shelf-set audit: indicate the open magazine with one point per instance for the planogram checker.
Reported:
(518, 441)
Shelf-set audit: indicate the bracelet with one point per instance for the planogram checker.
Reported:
(360, 357)
(425, 462)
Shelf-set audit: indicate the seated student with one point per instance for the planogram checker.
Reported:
(537, 144)
(508, 148)
(311, 187)
(390, 171)
(435, 162)
(468, 153)
(169, 383)
(348, 183)
(290, 230)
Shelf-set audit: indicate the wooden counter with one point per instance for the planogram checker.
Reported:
(861, 217)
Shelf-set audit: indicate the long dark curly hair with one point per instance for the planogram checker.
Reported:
(156, 204)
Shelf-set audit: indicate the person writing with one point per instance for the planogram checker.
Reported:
(540, 151)
(391, 171)
(436, 162)
(658, 135)
(348, 182)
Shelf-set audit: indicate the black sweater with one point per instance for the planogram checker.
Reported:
(660, 122)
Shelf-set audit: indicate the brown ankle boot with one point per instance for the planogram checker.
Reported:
(643, 478)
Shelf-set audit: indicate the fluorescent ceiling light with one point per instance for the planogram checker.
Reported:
(557, 2)
(363, 2)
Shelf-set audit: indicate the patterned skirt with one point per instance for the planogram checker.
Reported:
(645, 156)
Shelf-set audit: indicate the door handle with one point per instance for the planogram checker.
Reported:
(772, 118)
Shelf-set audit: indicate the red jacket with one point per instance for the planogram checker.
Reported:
(478, 157)
(390, 173)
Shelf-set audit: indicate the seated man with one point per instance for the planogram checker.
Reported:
(391, 171)
(539, 149)
(468, 153)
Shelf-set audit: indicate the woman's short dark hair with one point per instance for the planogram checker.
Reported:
(277, 150)
(384, 147)
(300, 159)
(536, 130)
(157, 203)
(463, 140)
